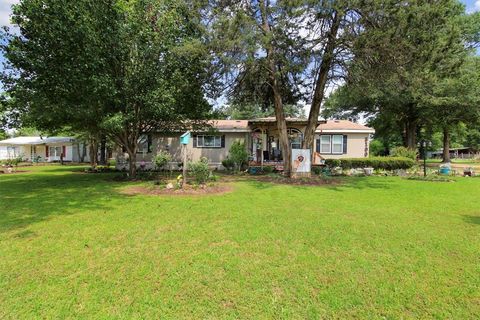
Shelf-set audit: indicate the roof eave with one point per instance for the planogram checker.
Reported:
(345, 131)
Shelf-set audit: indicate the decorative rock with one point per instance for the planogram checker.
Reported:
(368, 171)
(169, 186)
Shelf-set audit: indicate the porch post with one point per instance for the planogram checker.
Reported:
(263, 146)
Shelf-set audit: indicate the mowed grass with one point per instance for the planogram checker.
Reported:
(454, 161)
(73, 246)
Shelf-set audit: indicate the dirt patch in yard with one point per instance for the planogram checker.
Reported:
(278, 179)
(13, 172)
(221, 188)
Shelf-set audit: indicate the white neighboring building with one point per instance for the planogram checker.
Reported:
(42, 149)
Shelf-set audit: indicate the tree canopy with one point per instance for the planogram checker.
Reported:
(117, 68)
(404, 59)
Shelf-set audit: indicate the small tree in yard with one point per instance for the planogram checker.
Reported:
(161, 159)
(238, 154)
(119, 68)
(200, 170)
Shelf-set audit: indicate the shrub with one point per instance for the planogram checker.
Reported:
(376, 148)
(332, 163)
(404, 152)
(316, 170)
(13, 162)
(385, 163)
(238, 154)
(228, 163)
(199, 170)
(268, 169)
(161, 159)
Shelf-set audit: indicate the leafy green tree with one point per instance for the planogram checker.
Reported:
(455, 100)
(113, 68)
(3, 134)
(244, 37)
(402, 50)
(280, 52)
(253, 111)
(472, 139)
(238, 154)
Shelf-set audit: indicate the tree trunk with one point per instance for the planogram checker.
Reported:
(321, 82)
(78, 151)
(446, 145)
(278, 104)
(103, 150)
(132, 163)
(282, 132)
(90, 149)
(84, 152)
(411, 134)
(93, 153)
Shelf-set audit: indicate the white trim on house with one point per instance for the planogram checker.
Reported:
(41, 149)
(346, 131)
(230, 130)
(36, 140)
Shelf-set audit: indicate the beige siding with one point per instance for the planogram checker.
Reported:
(40, 151)
(356, 144)
(172, 145)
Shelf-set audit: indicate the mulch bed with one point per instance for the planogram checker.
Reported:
(188, 191)
(312, 181)
(13, 172)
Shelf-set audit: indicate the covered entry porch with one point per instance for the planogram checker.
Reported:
(265, 148)
(38, 149)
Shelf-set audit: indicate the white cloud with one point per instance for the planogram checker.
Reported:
(6, 11)
(477, 5)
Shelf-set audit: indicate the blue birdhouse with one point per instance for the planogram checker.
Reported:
(184, 138)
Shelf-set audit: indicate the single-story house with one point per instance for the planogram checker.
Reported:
(42, 149)
(334, 139)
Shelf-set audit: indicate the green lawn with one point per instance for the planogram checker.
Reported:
(72, 246)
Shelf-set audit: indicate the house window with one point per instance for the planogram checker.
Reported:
(209, 141)
(144, 144)
(12, 152)
(332, 144)
(337, 143)
(296, 138)
(54, 151)
(325, 144)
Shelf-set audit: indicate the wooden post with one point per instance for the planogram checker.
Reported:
(184, 166)
(263, 146)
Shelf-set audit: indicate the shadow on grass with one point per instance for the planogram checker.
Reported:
(361, 183)
(31, 198)
(472, 219)
(59, 168)
(332, 183)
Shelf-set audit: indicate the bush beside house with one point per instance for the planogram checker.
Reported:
(199, 170)
(385, 163)
(237, 157)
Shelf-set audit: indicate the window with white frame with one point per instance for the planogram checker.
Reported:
(337, 143)
(12, 152)
(209, 141)
(325, 144)
(331, 144)
(54, 151)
